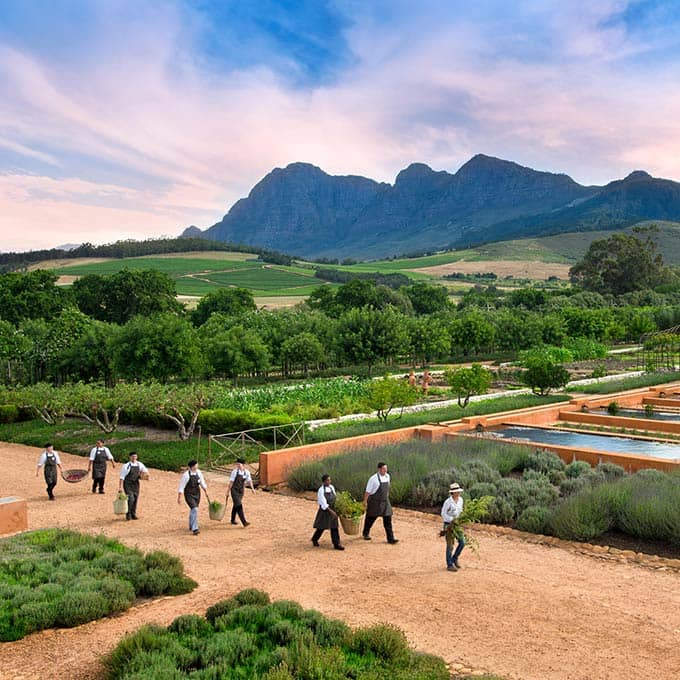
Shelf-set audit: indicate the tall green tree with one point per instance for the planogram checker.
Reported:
(33, 295)
(466, 382)
(620, 264)
(229, 301)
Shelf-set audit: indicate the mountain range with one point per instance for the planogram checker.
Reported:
(302, 210)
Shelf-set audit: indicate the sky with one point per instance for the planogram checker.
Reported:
(137, 118)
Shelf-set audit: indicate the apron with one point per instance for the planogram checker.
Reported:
(192, 491)
(99, 464)
(324, 519)
(50, 468)
(237, 489)
(131, 481)
(379, 503)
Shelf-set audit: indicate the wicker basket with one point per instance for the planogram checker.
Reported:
(350, 525)
(217, 513)
(73, 476)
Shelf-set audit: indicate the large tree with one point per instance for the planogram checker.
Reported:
(229, 301)
(620, 264)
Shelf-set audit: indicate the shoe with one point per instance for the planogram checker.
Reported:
(233, 522)
(315, 543)
(456, 564)
(393, 541)
(338, 547)
(135, 517)
(453, 567)
(366, 538)
(52, 498)
(94, 490)
(102, 491)
(196, 532)
(128, 518)
(246, 524)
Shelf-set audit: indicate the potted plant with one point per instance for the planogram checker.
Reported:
(350, 512)
(120, 504)
(216, 510)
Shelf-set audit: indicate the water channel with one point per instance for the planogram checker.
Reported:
(582, 440)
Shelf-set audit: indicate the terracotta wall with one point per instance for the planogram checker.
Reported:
(274, 465)
(13, 515)
(621, 421)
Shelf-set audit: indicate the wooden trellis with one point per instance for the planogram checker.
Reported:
(660, 350)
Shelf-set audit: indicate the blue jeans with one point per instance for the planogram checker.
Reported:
(193, 519)
(451, 554)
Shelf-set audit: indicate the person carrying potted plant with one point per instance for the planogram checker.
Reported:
(190, 485)
(326, 517)
(237, 483)
(130, 474)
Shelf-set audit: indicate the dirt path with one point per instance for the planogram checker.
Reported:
(521, 610)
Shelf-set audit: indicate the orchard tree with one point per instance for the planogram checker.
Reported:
(34, 295)
(428, 339)
(427, 298)
(302, 349)
(386, 394)
(235, 352)
(466, 382)
(228, 301)
(543, 375)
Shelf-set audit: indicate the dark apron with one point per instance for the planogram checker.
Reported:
(324, 519)
(50, 470)
(237, 488)
(192, 491)
(131, 481)
(378, 504)
(99, 464)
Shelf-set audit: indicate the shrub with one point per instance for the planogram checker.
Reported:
(190, 624)
(577, 468)
(306, 477)
(384, 641)
(534, 519)
(544, 461)
(482, 489)
(220, 609)
(500, 511)
(9, 413)
(228, 647)
(471, 472)
(612, 408)
(252, 596)
(610, 471)
(582, 517)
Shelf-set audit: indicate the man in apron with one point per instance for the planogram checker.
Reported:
(99, 456)
(49, 460)
(326, 517)
(377, 503)
(237, 484)
(129, 483)
(190, 484)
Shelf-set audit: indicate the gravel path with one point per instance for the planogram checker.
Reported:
(521, 610)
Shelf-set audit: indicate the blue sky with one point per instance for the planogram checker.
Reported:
(122, 119)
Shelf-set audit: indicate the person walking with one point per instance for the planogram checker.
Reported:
(190, 484)
(237, 483)
(377, 503)
(99, 456)
(49, 460)
(326, 517)
(451, 510)
(130, 475)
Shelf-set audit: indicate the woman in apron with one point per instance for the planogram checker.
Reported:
(49, 460)
(190, 486)
(326, 517)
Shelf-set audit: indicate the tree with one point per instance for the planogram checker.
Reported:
(620, 264)
(466, 382)
(427, 298)
(34, 295)
(542, 375)
(302, 349)
(428, 339)
(235, 352)
(229, 301)
(471, 332)
(13, 347)
(159, 347)
(387, 394)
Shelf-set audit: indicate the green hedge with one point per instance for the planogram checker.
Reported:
(9, 413)
(58, 578)
(250, 637)
(224, 421)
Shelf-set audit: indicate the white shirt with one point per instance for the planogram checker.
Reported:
(105, 449)
(43, 458)
(374, 482)
(451, 509)
(245, 474)
(184, 480)
(321, 496)
(126, 468)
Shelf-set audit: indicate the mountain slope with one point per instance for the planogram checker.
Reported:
(301, 209)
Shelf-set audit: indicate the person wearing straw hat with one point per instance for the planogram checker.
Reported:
(99, 456)
(49, 460)
(326, 517)
(451, 510)
(237, 484)
(190, 485)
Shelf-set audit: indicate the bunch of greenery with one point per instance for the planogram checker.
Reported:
(474, 510)
(248, 636)
(57, 578)
(346, 506)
